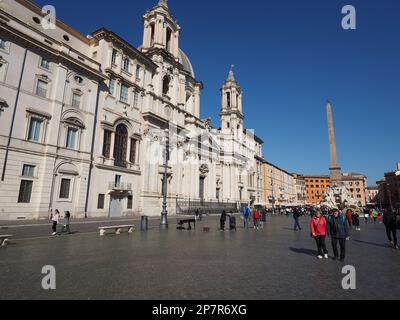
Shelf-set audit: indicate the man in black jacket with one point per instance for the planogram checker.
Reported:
(338, 230)
(390, 222)
(296, 216)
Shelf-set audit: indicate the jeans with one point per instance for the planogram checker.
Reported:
(54, 227)
(321, 246)
(256, 223)
(246, 222)
(392, 230)
(342, 244)
(297, 224)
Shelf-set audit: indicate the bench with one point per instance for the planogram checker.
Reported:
(182, 222)
(4, 239)
(117, 229)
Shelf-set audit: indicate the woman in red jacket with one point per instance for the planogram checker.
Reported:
(318, 228)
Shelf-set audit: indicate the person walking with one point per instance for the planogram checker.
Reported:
(296, 217)
(222, 221)
(356, 220)
(256, 218)
(338, 231)
(366, 215)
(318, 228)
(67, 219)
(390, 222)
(246, 213)
(55, 218)
(349, 217)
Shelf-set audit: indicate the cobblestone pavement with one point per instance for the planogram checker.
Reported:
(273, 263)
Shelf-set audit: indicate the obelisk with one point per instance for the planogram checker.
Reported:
(335, 170)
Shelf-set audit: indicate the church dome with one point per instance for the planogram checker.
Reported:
(184, 60)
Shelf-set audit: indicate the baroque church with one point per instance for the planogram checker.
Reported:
(93, 125)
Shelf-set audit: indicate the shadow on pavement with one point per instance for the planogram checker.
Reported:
(308, 252)
(373, 244)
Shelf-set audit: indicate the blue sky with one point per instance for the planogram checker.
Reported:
(290, 56)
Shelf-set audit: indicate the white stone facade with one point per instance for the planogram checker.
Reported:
(83, 123)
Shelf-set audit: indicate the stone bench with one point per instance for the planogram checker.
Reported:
(4, 239)
(117, 229)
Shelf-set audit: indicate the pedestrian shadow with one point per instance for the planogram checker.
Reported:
(373, 244)
(307, 252)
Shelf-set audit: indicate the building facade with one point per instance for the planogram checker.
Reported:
(279, 186)
(316, 187)
(356, 183)
(389, 189)
(301, 191)
(372, 195)
(86, 122)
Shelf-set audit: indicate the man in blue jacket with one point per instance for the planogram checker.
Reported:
(337, 229)
(246, 213)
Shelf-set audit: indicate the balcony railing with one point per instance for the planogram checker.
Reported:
(121, 186)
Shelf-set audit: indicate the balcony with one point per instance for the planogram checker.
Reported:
(121, 186)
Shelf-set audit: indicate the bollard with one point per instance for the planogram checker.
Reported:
(145, 223)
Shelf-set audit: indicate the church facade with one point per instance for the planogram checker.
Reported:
(88, 122)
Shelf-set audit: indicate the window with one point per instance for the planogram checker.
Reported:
(41, 88)
(166, 85)
(76, 100)
(124, 94)
(130, 202)
(228, 99)
(35, 126)
(152, 34)
(28, 171)
(132, 156)
(126, 65)
(120, 145)
(71, 138)
(107, 144)
(2, 44)
(136, 99)
(169, 36)
(25, 191)
(100, 201)
(111, 88)
(117, 180)
(114, 57)
(64, 188)
(137, 73)
(44, 63)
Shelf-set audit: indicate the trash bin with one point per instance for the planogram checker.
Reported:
(145, 223)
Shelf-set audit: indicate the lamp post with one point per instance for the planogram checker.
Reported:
(273, 198)
(164, 212)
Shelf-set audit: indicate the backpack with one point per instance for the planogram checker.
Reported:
(247, 213)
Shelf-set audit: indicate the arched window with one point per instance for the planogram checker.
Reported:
(120, 146)
(169, 35)
(228, 99)
(152, 32)
(165, 85)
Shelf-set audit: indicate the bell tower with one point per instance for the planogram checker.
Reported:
(161, 31)
(231, 116)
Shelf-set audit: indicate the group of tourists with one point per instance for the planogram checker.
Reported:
(334, 225)
(55, 219)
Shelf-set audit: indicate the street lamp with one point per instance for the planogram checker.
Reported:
(164, 212)
(273, 198)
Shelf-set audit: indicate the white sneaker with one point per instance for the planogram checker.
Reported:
(326, 256)
(54, 233)
(320, 257)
